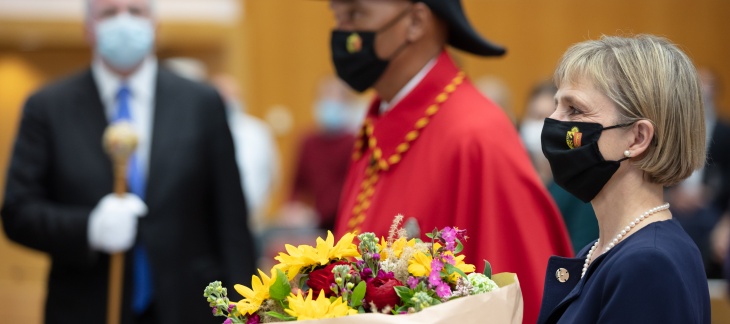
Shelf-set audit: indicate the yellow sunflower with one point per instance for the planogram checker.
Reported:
(461, 265)
(343, 249)
(254, 296)
(303, 256)
(397, 247)
(420, 266)
(322, 307)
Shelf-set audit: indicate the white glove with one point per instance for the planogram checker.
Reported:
(113, 222)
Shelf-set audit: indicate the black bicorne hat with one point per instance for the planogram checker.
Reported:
(461, 33)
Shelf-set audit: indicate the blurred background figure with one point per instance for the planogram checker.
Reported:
(325, 152)
(494, 88)
(700, 200)
(320, 169)
(184, 208)
(578, 216)
(256, 152)
(256, 149)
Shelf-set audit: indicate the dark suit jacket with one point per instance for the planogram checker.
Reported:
(654, 276)
(195, 231)
(717, 172)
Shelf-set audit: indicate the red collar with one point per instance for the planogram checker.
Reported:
(394, 132)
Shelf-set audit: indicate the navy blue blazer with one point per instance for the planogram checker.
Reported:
(655, 275)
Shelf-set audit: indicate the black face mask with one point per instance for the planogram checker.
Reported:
(354, 56)
(576, 163)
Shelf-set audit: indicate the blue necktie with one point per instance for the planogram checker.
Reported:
(141, 275)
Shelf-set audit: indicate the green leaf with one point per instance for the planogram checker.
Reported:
(459, 247)
(236, 320)
(281, 288)
(404, 293)
(281, 316)
(487, 269)
(450, 269)
(358, 294)
(303, 282)
(401, 309)
(429, 235)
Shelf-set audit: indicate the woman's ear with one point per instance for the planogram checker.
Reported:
(643, 135)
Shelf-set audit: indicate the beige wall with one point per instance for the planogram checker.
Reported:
(281, 48)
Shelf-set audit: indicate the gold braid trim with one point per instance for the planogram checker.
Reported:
(378, 163)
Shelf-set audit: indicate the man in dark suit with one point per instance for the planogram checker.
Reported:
(183, 179)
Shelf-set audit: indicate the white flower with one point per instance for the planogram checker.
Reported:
(480, 283)
(388, 266)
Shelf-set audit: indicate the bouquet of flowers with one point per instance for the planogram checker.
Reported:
(393, 276)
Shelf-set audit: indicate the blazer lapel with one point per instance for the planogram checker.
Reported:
(559, 292)
(163, 131)
(89, 109)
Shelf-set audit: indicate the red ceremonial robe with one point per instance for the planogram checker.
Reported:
(447, 156)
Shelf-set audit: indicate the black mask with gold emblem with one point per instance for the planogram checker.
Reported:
(577, 164)
(355, 58)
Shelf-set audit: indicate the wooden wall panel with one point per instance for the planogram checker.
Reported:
(287, 46)
(538, 32)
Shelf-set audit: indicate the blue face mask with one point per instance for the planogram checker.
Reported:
(331, 115)
(124, 41)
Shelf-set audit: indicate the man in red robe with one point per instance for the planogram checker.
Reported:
(434, 149)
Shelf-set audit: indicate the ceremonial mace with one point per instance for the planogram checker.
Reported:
(120, 140)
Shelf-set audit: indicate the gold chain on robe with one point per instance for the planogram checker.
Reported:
(379, 164)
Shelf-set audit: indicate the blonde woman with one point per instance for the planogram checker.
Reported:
(628, 122)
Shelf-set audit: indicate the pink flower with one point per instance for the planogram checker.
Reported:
(255, 319)
(449, 259)
(448, 234)
(434, 279)
(412, 282)
(436, 265)
(443, 290)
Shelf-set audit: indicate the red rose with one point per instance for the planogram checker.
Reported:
(323, 278)
(381, 291)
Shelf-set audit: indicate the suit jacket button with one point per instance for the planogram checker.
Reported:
(562, 275)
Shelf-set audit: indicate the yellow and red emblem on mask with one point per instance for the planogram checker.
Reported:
(574, 137)
(354, 43)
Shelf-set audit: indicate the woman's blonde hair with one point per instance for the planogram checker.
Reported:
(648, 78)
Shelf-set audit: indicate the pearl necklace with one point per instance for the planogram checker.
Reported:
(621, 235)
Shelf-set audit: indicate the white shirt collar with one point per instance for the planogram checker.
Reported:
(387, 106)
(141, 83)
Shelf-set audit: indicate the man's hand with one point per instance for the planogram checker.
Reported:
(113, 222)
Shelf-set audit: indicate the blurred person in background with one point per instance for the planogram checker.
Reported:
(324, 154)
(256, 152)
(699, 201)
(433, 148)
(183, 223)
(494, 88)
(321, 166)
(578, 216)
